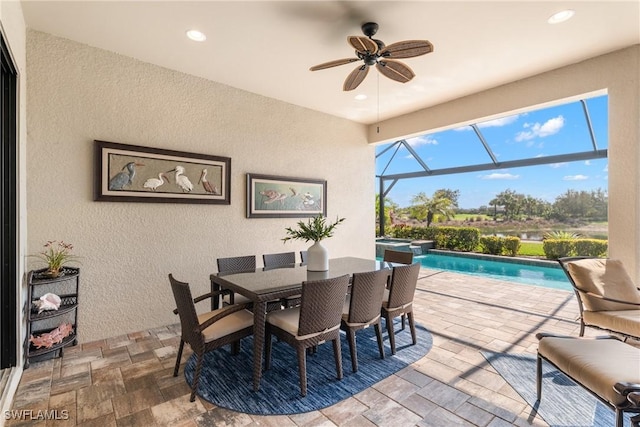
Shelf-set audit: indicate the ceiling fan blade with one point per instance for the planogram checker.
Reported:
(395, 70)
(356, 77)
(407, 49)
(333, 63)
(363, 44)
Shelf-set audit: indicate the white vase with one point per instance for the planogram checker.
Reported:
(317, 258)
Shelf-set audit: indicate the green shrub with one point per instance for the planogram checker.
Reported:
(591, 247)
(401, 231)
(451, 238)
(467, 238)
(558, 248)
(492, 245)
(511, 245)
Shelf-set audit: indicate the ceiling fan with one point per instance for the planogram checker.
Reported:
(372, 51)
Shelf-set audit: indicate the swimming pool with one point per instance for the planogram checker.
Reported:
(525, 274)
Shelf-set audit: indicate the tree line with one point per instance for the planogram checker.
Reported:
(508, 205)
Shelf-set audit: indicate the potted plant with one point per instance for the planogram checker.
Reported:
(315, 229)
(56, 255)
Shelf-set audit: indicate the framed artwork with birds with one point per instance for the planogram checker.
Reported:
(134, 173)
(285, 197)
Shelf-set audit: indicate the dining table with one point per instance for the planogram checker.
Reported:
(269, 284)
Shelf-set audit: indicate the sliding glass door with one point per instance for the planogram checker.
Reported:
(9, 201)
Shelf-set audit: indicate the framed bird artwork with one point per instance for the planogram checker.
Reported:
(134, 173)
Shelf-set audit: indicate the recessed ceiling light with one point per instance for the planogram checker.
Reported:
(563, 15)
(361, 97)
(196, 36)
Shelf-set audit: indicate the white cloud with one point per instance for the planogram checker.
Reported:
(606, 168)
(422, 140)
(504, 121)
(537, 130)
(575, 178)
(558, 165)
(587, 162)
(500, 176)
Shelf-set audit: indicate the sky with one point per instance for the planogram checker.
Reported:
(561, 129)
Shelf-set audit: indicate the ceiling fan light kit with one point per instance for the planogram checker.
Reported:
(374, 52)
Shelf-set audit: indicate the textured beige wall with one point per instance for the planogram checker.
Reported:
(618, 74)
(77, 93)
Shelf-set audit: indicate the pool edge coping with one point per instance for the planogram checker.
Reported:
(498, 258)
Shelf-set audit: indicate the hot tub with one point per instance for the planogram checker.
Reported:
(418, 247)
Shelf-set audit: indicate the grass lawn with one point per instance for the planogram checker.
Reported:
(531, 249)
(475, 217)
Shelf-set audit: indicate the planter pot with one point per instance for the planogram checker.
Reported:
(318, 258)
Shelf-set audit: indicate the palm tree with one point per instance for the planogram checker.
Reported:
(429, 208)
(389, 206)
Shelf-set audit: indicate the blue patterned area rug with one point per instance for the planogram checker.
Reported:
(226, 380)
(563, 404)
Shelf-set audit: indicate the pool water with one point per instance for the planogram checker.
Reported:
(519, 273)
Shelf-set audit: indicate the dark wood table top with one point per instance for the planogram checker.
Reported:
(267, 284)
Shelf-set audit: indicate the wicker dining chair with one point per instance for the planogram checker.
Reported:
(236, 264)
(398, 299)
(280, 260)
(362, 309)
(207, 331)
(314, 322)
(400, 257)
(242, 264)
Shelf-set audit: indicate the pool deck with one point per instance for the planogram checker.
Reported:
(127, 380)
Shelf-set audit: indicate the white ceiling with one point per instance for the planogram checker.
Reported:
(267, 47)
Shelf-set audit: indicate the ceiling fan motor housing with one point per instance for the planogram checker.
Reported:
(369, 29)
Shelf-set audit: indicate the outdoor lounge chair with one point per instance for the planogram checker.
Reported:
(607, 297)
(605, 366)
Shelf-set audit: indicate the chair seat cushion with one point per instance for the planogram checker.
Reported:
(596, 363)
(287, 319)
(605, 277)
(227, 325)
(624, 321)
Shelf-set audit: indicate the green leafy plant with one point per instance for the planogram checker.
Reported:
(56, 255)
(315, 229)
(559, 234)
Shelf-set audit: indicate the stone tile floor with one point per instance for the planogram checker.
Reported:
(128, 380)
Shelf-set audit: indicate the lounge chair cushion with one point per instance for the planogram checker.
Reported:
(623, 321)
(597, 364)
(605, 277)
